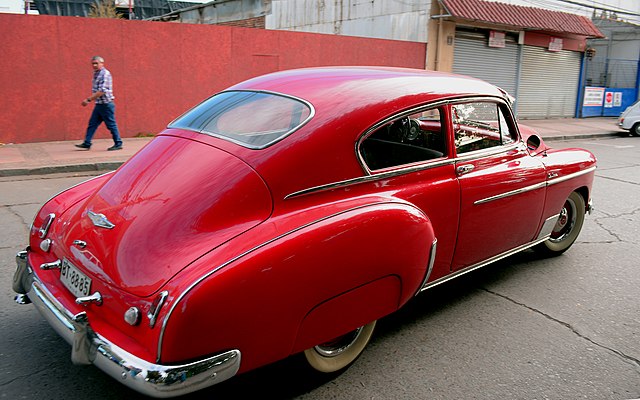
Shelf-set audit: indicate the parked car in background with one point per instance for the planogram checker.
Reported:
(630, 119)
(287, 214)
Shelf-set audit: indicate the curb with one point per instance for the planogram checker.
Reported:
(98, 167)
(585, 136)
(113, 165)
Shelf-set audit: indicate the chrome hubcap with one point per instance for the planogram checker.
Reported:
(338, 345)
(565, 223)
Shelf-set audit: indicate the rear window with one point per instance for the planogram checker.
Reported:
(251, 119)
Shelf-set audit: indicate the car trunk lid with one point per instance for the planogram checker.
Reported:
(171, 203)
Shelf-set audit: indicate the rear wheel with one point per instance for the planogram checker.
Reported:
(336, 354)
(567, 228)
(635, 129)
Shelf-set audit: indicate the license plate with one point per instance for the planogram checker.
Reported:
(78, 283)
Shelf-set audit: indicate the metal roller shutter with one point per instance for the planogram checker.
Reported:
(548, 83)
(473, 57)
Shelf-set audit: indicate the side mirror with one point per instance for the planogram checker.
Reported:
(533, 143)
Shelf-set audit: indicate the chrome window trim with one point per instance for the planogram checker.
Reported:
(385, 121)
(312, 113)
(477, 154)
(514, 124)
(437, 104)
(418, 166)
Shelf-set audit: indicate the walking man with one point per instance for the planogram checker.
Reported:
(104, 110)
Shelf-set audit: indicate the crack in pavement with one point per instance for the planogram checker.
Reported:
(631, 360)
(599, 221)
(609, 231)
(618, 180)
(25, 224)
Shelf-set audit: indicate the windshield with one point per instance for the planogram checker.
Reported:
(251, 119)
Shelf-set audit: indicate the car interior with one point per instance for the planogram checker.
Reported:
(407, 140)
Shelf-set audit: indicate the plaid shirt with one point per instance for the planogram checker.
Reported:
(102, 82)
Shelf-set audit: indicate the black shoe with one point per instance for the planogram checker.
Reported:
(83, 146)
(115, 147)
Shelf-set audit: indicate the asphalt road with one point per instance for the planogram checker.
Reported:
(524, 328)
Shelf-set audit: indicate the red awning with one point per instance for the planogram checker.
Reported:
(527, 18)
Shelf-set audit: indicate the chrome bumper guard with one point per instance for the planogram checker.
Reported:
(89, 347)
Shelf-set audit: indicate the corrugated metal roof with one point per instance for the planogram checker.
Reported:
(521, 17)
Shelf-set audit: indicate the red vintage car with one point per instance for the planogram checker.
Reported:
(286, 215)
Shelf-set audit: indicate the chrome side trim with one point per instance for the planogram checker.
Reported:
(571, 176)
(536, 186)
(368, 178)
(548, 225)
(432, 260)
(142, 376)
(512, 193)
(428, 164)
(484, 263)
(400, 171)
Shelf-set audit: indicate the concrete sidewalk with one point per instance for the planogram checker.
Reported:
(56, 157)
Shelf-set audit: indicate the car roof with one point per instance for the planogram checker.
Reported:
(378, 83)
(346, 101)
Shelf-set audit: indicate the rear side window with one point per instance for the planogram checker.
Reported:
(251, 119)
(407, 140)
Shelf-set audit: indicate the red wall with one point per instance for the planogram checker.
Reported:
(159, 69)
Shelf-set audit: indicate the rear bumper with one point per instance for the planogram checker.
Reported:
(88, 347)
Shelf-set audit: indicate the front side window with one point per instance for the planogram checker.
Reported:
(480, 125)
(410, 139)
(252, 119)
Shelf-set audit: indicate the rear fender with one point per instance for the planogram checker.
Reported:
(348, 311)
(307, 285)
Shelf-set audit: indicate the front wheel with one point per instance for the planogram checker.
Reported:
(338, 353)
(567, 228)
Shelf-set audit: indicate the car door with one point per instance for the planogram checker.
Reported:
(502, 187)
(411, 157)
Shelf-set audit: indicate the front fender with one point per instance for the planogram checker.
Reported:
(374, 254)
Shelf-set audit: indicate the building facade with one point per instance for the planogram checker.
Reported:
(540, 58)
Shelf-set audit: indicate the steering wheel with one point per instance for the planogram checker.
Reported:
(412, 129)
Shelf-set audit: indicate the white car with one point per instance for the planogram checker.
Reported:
(630, 119)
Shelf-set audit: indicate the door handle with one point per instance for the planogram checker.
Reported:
(463, 169)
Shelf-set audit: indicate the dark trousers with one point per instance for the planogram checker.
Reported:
(103, 113)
